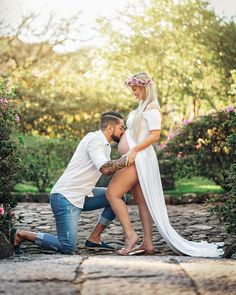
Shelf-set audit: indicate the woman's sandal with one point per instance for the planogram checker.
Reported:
(140, 250)
(123, 252)
(12, 234)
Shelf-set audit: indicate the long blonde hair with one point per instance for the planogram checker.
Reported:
(150, 96)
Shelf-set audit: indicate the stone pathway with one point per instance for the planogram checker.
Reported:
(192, 221)
(89, 273)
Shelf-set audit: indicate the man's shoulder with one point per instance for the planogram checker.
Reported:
(93, 137)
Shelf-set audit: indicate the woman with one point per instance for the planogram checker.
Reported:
(144, 125)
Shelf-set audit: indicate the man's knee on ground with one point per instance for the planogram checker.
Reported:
(68, 247)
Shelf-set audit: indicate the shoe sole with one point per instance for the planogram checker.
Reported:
(99, 249)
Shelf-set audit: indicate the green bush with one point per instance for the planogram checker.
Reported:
(9, 156)
(207, 147)
(45, 159)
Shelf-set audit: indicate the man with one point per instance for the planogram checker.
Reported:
(74, 191)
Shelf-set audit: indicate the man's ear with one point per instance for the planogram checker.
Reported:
(110, 127)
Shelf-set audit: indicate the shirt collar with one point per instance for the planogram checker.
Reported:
(100, 133)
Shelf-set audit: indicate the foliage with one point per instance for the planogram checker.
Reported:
(44, 160)
(9, 157)
(186, 48)
(226, 208)
(206, 145)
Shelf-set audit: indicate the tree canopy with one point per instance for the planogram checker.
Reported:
(189, 52)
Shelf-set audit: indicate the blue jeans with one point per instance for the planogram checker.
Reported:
(67, 217)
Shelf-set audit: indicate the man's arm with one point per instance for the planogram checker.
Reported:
(110, 167)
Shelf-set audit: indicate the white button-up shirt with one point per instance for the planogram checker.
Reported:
(82, 172)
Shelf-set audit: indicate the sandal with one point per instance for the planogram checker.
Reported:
(12, 234)
(123, 252)
(140, 250)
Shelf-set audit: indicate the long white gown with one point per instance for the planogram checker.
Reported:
(150, 181)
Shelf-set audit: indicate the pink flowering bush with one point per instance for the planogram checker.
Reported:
(207, 147)
(9, 156)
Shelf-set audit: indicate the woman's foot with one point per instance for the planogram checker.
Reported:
(130, 241)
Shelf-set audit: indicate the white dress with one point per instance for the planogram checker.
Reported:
(150, 181)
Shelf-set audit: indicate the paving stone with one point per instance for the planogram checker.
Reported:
(129, 275)
(214, 277)
(60, 269)
(38, 288)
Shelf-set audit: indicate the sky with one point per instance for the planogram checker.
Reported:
(14, 9)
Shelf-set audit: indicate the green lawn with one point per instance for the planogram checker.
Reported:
(196, 185)
(27, 188)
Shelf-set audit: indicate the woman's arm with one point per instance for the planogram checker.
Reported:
(152, 138)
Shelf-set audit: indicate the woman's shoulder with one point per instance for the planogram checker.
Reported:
(153, 106)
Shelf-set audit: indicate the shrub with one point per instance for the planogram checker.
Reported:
(44, 160)
(226, 208)
(207, 147)
(9, 156)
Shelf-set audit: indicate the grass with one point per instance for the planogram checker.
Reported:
(198, 185)
(27, 188)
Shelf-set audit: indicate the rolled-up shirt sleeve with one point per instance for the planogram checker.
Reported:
(97, 153)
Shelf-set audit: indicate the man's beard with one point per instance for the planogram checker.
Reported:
(115, 138)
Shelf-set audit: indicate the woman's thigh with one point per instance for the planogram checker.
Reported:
(122, 182)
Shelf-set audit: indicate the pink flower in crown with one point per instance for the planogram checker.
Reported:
(2, 211)
(230, 109)
(17, 118)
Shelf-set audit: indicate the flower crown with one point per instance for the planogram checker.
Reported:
(135, 81)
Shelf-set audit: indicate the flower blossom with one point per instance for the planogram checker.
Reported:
(186, 122)
(1, 211)
(3, 101)
(17, 118)
(230, 109)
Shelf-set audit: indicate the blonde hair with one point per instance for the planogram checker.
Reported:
(150, 96)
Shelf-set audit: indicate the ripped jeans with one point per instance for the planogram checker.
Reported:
(67, 217)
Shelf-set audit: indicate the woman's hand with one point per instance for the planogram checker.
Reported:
(131, 155)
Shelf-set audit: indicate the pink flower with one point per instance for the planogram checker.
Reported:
(230, 109)
(1, 211)
(170, 135)
(198, 146)
(163, 145)
(180, 154)
(3, 101)
(186, 122)
(17, 118)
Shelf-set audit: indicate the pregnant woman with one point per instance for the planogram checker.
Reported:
(143, 178)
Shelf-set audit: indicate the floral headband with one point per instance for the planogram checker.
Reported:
(135, 81)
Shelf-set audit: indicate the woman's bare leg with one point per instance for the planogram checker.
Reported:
(123, 181)
(146, 219)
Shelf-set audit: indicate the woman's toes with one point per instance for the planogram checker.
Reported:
(123, 252)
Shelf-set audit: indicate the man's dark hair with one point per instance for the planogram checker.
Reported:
(108, 118)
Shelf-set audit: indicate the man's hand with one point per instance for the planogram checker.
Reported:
(110, 167)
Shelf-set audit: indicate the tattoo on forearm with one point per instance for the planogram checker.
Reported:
(110, 167)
